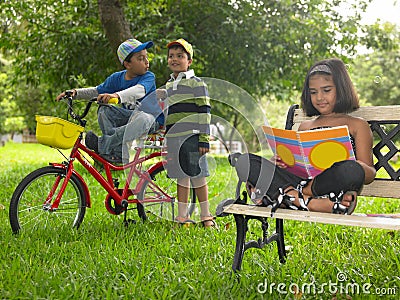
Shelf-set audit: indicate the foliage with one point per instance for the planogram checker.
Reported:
(381, 37)
(4, 110)
(379, 83)
(233, 40)
(51, 40)
(264, 47)
(376, 73)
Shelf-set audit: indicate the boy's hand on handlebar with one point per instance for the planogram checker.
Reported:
(105, 98)
(61, 96)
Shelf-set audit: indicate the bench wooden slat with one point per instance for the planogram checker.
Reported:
(378, 113)
(388, 113)
(326, 218)
(382, 188)
(369, 113)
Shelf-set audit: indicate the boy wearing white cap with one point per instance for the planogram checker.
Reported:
(139, 112)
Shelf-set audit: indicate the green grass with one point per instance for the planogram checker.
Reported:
(105, 260)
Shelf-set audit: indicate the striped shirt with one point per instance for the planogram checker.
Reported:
(189, 108)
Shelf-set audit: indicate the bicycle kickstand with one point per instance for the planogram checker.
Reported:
(126, 220)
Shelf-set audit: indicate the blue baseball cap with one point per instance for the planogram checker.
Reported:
(131, 46)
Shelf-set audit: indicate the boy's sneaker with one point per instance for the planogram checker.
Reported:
(92, 141)
(113, 159)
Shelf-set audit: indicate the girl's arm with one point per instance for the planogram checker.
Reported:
(364, 141)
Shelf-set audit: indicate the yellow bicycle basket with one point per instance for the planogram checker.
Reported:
(56, 132)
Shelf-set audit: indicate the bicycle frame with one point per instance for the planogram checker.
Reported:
(56, 195)
(121, 196)
(135, 168)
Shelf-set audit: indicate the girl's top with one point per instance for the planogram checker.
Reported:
(189, 109)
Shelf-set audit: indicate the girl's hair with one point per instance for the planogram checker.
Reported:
(346, 96)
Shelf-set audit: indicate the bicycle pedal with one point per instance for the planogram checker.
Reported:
(116, 182)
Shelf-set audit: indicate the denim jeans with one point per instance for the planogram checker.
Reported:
(121, 126)
(111, 117)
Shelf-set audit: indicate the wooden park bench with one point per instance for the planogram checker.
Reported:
(385, 125)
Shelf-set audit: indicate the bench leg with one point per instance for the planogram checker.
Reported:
(242, 245)
(241, 224)
(280, 242)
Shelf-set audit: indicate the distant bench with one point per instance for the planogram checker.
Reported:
(385, 125)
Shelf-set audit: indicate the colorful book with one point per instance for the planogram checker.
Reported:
(308, 153)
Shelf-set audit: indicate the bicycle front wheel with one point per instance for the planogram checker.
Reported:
(154, 204)
(31, 204)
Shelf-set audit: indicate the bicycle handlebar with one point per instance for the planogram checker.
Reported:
(69, 98)
(113, 101)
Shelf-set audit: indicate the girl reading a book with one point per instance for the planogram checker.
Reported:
(328, 94)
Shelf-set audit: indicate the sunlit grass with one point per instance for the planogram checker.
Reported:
(159, 260)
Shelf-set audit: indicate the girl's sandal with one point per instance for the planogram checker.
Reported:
(258, 199)
(338, 207)
(288, 200)
(209, 222)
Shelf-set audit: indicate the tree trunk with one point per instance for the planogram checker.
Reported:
(114, 23)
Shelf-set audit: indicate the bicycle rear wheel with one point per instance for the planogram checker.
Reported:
(30, 206)
(153, 204)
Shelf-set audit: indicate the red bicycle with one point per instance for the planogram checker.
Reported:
(57, 195)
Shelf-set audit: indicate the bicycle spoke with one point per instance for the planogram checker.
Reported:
(29, 211)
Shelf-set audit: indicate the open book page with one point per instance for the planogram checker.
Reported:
(286, 145)
(308, 153)
(323, 147)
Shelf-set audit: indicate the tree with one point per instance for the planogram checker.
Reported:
(265, 47)
(113, 20)
(376, 73)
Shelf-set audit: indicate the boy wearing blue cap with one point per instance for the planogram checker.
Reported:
(187, 131)
(139, 112)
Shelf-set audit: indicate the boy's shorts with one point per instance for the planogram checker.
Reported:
(184, 158)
